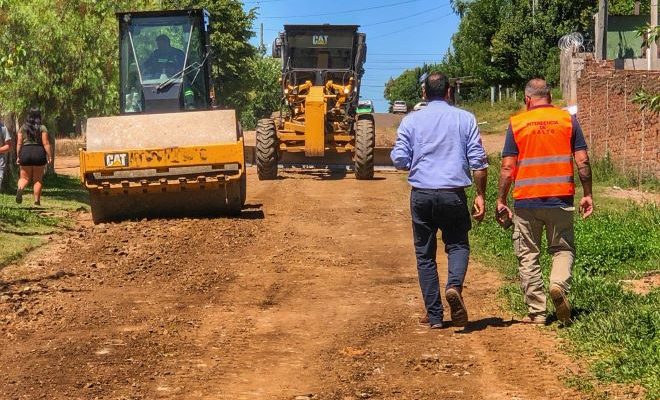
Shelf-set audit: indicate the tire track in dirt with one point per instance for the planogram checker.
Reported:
(319, 297)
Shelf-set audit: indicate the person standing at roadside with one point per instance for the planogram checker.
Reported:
(34, 153)
(441, 147)
(5, 147)
(537, 159)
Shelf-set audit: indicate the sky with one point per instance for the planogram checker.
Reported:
(400, 34)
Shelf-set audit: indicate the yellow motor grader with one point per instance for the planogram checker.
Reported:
(169, 153)
(318, 125)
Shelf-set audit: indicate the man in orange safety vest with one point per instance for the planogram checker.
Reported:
(540, 147)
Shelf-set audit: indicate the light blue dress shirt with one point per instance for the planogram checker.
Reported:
(440, 145)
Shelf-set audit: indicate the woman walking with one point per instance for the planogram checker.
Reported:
(33, 149)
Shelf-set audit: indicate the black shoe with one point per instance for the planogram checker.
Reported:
(19, 196)
(37, 203)
(459, 314)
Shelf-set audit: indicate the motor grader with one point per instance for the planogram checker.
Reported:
(322, 66)
(171, 152)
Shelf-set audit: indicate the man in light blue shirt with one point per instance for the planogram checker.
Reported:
(441, 147)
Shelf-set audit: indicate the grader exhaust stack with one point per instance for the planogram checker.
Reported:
(322, 66)
(169, 153)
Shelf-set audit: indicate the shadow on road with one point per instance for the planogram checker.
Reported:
(482, 324)
(323, 174)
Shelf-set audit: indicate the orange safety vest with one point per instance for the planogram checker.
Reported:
(545, 162)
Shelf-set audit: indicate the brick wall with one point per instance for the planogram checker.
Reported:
(614, 125)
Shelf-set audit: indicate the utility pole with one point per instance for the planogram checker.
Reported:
(601, 31)
(653, 46)
(262, 47)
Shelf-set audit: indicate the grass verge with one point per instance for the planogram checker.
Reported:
(616, 330)
(26, 226)
(493, 119)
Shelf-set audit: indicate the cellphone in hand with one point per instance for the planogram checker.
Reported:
(503, 216)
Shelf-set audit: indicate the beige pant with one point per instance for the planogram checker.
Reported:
(528, 224)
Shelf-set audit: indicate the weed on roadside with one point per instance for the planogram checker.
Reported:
(608, 174)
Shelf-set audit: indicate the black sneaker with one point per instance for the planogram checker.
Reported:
(37, 203)
(19, 196)
(459, 314)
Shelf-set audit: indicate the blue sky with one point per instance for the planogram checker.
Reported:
(400, 34)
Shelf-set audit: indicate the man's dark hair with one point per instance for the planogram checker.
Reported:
(163, 38)
(436, 86)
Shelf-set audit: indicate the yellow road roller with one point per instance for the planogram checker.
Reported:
(171, 152)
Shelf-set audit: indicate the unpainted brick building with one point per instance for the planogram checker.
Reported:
(613, 124)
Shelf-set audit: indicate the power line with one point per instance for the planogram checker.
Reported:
(403, 61)
(402, 54)
(261, 1)
(407, 16)
(346, 11)
(412, 26)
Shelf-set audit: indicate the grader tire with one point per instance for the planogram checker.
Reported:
(266, 149)
(365, 141)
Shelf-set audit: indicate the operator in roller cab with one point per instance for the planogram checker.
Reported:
(165, 59)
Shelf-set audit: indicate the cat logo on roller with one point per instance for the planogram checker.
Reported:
(116, 160)
(320, 40)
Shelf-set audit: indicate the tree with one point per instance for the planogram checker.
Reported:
(232, 53)
(406, 86)
(265, 94)
(61, 57)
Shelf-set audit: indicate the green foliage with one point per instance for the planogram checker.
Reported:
(649, 34)
(616, 329)
(608, 174)
(504, 42)
(647, 101)
(493, 119)
(23, 227)
(265, 93)
(231, 31)
(406, 86)
(616, 243)
(627, 7)
(62, 55)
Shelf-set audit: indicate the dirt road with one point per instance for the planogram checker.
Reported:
(312, 294)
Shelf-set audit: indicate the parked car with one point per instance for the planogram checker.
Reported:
(399, 106)
(365, 107)
(420, 105)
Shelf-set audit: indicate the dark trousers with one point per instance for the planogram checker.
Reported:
(445, 210)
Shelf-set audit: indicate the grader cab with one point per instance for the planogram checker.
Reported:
(169, 153)
(322, 67)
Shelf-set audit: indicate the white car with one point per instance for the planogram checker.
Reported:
(420, 105)
(399, 106)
